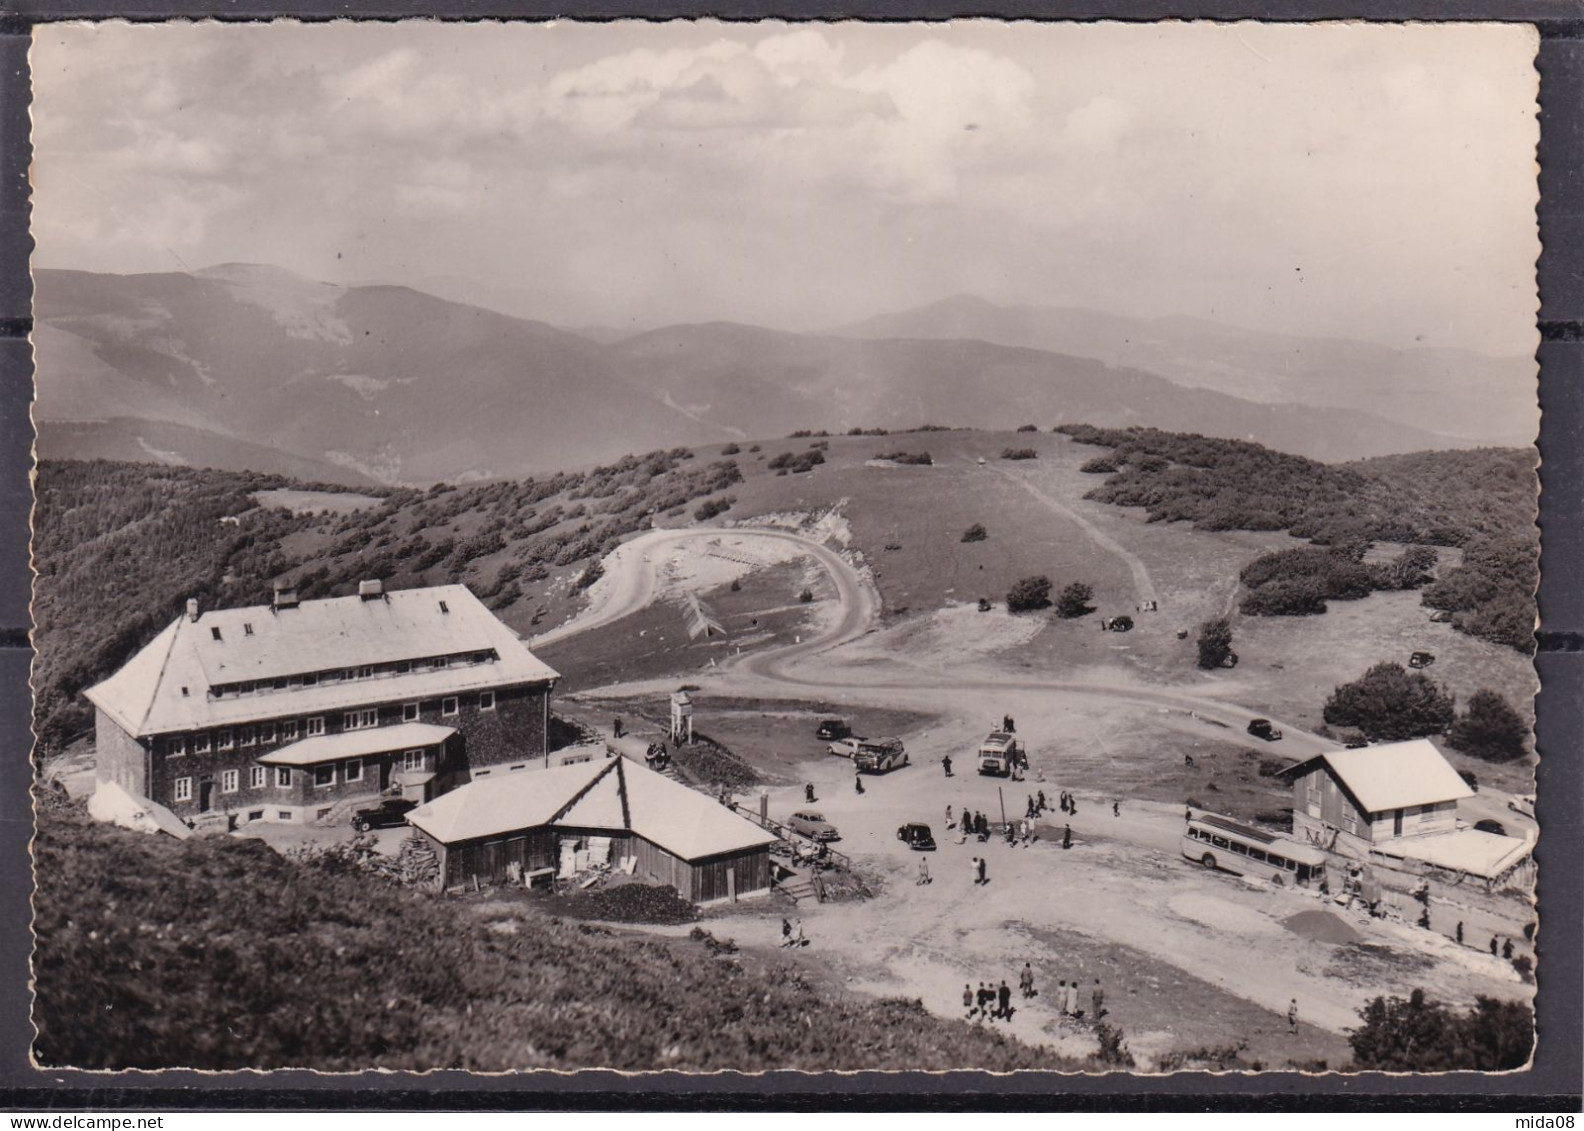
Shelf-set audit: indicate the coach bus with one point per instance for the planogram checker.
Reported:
(1231, 846)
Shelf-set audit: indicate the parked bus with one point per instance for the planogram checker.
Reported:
(1231, 846)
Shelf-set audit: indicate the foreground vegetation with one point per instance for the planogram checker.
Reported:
(221, 954)
(1481, 501)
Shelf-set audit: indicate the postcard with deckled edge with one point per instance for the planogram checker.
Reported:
(740, 547)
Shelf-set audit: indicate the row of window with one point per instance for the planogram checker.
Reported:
(343, 675)
(269, 733)
(350, 771)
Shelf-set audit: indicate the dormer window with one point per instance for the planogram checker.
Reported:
(214, 630)
(444, 608)
(247, 629)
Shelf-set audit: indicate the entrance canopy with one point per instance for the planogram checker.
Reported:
(358, 744)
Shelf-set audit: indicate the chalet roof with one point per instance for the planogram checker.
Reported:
(1392, 776)
(165, 687)
(357, 744)
(506, 803)
(680, 820)
(1479, 853)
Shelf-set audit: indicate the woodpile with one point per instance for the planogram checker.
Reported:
(414, 865)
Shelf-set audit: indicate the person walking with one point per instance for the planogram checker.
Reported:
(973, 866)
(1116, 808)
(946, 765)
(1292, 1016)
(984, 871)
(924, 876)
(808, 793)
(1061, 996)
(1040, 797)
(982, 998)
(1097, 999)
(616, 729)
(1494, 947)
(1072, 999)
(858, 783)
(1066, 836)
(968, 1001)
(1004, 1001)
(1460, 932)
(786, 932)
(1507, 950)
(949, 823)
(1026, 981)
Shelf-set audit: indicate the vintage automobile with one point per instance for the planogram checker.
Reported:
(812, 825)
(1262, 728)
(917, 837)
(830, 729)
(388, 814)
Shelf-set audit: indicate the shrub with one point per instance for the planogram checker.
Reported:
(1101, 465)
(712, 507)
(806, 596)
(1389, 703)
(589, 576)
(1489, 729)
(1028, 594)
(975, 533)
(1073, 601)
(1019, 453)
(1215, 642)
(1028, 428)
(920, 459)
(753, 447)
(1422, 1035)
(730, 450)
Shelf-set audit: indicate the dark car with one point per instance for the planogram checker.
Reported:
(1490, 826)
(388, 814)
(917, 837)
(830, 729)
(1262, 728)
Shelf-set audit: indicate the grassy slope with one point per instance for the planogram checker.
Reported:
(221, 954)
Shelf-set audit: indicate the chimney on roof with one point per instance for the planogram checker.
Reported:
(371, 590)
(285, 596)
(192, 608)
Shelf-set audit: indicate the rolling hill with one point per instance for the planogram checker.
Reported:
(1459, 393)
(249, 367)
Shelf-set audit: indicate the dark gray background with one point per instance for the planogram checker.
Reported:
(1557, 1078)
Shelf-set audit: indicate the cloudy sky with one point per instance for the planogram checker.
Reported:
(1369, 182)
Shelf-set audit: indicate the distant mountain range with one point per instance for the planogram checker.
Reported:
(251, 366)
(1458, 393)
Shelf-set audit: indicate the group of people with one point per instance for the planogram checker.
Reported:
(1497, 947)
(656, 756)
(994, 1002)
(792, 935)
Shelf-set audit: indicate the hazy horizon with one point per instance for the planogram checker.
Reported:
(1368, 183)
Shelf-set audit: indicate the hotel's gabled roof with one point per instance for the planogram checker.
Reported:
(165, 687)
(1394, 775)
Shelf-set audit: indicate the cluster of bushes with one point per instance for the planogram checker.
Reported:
(1391, 703)
(1028, 428)
(1019, 453)
(1422, 1035)
(1298, 582)
(796, 464)
(868, 432)
(975, 533)
(712, 507)
(1034, 593)
(219, 954)
(1482, 500)
(919, 459)
(802, 433)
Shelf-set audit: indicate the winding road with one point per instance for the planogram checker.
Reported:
(632, 582)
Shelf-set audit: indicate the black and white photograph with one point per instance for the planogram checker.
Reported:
(731, 547)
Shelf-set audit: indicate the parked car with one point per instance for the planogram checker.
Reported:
(1421, 659)
(812, 825)
(1490, 826)
(879, 755)
(388, 814)
(832, 728)
(917, 837)
(1262, 728)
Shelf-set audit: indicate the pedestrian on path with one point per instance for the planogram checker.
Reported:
(1072, 1000)
(973, 866)
(858, 783)
(949, 822)
(924, 876)
(982, 1000)
(1116, 808)
(808, 793)
(946, 765)
(1004, 1001)
(1041, 798)
(1460, 932)
(616, 728)
(1494, 947)
(1292, 1016)
(1097, 999)
(968, 1001)
(984, 871)
(786, 932)
(1067, 836)
(1061, 996)
(1507, 950)
(1026, 981)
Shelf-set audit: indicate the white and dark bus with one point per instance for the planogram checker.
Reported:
(1231, 846)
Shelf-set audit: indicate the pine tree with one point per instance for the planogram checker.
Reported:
(1215, 642)
(1489, 729)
